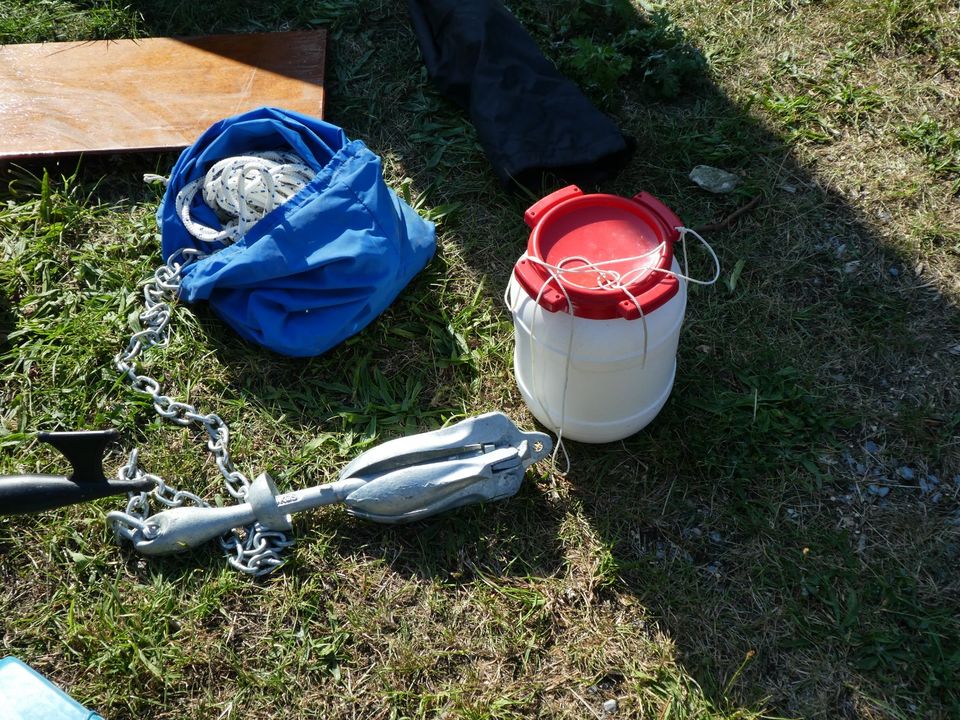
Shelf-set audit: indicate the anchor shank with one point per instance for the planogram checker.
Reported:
(317, 496)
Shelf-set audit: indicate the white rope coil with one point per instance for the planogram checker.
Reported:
(242, 190)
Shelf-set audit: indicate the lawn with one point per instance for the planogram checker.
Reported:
(782, 541)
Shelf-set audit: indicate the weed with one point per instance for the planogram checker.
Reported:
(938, 146)
(44, 20)
(599, 67)
(813, 106)
(603, 43)
(780, 420)
(908, 22)
(885, 622)
(799, 114)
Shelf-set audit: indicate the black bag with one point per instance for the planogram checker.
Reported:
(529, 118)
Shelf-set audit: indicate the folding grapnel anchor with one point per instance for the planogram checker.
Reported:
(84, 449)
(476, 460)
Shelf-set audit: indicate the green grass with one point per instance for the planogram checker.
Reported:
(783, 540)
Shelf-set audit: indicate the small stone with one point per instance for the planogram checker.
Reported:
(936, 497)
(860, 468)
(894, 271)
(713, 569)
(715, 536)
(714, 179)
(841, 249)
(851, 267)
(878, 490)
(610, 706)
(905, 472)
(955, 350)
(925, 486)
(883, 216)
(871, 447)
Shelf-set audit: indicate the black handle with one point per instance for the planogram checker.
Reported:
(84, 449)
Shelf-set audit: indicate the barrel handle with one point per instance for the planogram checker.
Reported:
(668, 216)
(533, 214)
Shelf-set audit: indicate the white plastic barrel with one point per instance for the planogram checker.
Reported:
(596, 318)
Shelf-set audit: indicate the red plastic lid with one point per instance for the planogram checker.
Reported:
(570, 230)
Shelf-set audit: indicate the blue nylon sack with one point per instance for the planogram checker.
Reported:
(318, 268)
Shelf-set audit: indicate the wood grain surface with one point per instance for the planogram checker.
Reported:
(149, 94)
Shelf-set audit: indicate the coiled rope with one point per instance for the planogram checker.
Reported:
(242, 190)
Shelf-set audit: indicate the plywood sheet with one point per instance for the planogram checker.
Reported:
(149, 94)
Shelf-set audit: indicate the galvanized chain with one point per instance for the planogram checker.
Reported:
(257, 550)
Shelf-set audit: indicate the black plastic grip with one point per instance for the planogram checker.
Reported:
(84, 449)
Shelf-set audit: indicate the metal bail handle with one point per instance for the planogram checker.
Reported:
(476, 460)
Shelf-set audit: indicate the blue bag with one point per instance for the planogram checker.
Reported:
(318, 268)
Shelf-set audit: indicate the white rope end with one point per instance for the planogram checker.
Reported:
(153, 179)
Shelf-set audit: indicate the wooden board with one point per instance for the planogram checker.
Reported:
(149, 94)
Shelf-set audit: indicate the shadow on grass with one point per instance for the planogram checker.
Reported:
(764, 516)
(511, 539)
(781, 528)
(772, 517)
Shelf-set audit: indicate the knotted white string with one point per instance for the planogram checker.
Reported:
(608, 279)
(242, 190)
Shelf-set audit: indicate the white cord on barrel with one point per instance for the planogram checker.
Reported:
(609, 279)
(242, 190)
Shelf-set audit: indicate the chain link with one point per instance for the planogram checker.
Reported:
(255, 550)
